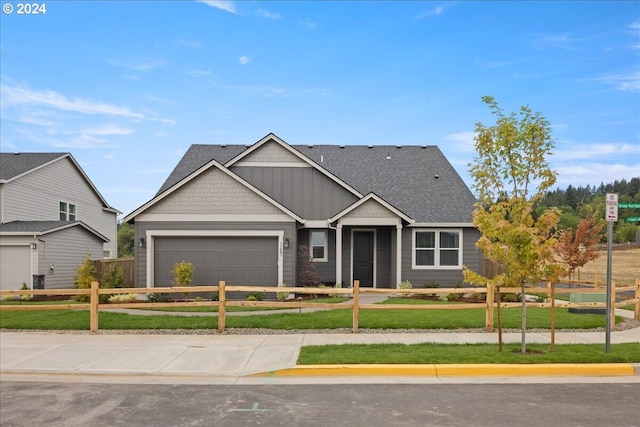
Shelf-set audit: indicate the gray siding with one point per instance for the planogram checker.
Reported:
(289, 229)
(36, 196)
(326, 270)
(65, 250)
(472, 258)
(306, 191)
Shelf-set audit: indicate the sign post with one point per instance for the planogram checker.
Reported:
(612, 216)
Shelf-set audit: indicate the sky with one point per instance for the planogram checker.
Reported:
(127, 86)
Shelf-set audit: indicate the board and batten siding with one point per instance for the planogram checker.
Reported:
(304, 190)
(288, 228)
(471, 257)
(36, 196)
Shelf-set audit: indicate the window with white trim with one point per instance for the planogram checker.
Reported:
(318, 245)
(437, 249)
(67, 211)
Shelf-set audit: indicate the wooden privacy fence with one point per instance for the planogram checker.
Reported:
(127, 265)
(489, 305)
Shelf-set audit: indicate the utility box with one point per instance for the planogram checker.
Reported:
(38, 281)
(586, 298)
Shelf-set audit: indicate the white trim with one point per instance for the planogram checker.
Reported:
(441, 224)
(316, 224)
(273, 164)
(326, 245)
(398, 255)
(375, 252)
(151, 234)
(339, 254)
(368, 222)
(436, 250)
(368, 197)
(214, 217)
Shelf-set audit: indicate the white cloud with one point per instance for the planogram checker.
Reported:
(244, 60)
(109, 129)
(625, 82)
(137, 66)
(266, 14)
(307, 23)
(595, 151)
(227, 6)
(22, 95)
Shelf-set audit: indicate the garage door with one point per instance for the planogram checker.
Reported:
(236, 260)
(15, 267)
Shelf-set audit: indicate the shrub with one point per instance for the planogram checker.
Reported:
(308, 276)
(255, 296)
(182, 274)
(405, 284)
(197, 299)
(282, 296)
(85, 274)
(338, 286)
(214, 296)
(158, 297)
(113, 277)
(122, 298)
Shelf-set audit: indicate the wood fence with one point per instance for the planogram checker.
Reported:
(127, 265)
(491, 302)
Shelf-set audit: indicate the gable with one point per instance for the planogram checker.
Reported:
(215, 193)
(272, 154)
(371, 209)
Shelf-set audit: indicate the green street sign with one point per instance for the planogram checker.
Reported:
(632, 219)
(629, 205)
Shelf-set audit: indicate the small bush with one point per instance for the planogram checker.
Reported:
(182, 274)
(431, 285)
(338, 286)
(405, 284)
(255, 296)
(214, 296)
(122, 298)
(113, 277)
(282, 296)
(197, 299)
(85, 274)
(24, 297)
(158, 297)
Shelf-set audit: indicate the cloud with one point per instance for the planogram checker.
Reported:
(227, 6)
(629, 82)
(266, 14)
(544, 41)
(596, 151)
(436, 11)
(22, 95)
(137, 66)
(109, 129)
(244, 60)
(307, 23)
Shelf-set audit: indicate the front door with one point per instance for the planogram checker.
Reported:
(363, 257)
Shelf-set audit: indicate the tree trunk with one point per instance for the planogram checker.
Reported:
(523, 346)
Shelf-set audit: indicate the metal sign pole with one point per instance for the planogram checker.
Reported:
(607, 345)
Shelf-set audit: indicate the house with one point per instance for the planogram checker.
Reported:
(378, 214)
(51, 217)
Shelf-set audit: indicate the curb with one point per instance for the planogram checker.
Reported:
(461, 370)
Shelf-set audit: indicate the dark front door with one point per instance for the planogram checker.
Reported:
(363, 257)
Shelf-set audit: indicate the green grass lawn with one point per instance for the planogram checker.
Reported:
(330, 319)
(466, 353)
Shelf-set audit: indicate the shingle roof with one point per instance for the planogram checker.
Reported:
(44, 227)
(418, 180)
(14, 164)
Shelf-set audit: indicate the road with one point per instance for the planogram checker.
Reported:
(353, 405)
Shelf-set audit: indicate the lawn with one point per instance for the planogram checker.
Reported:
(466, 353)
(330, 319)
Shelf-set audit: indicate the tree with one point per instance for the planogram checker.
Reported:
(126, 236)
(85, 274)
(575, 250)
(182, 274)
(308, 275)
(511, 175)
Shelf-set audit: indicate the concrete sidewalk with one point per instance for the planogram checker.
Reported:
(234, 359)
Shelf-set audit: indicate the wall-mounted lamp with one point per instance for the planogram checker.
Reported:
(286, 243)
(33, 245)
(141, 242)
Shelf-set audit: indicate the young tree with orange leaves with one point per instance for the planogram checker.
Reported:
(577, 250)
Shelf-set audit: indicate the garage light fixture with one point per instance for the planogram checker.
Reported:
(141, 242)
(33, 245)
(286, 243)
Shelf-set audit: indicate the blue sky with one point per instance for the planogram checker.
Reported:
(128, 86)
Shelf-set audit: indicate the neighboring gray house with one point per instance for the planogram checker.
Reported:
(379, 214)
(51, 217)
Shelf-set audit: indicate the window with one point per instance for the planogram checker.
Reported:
(318, 243)
(437, 249)
(67, 211)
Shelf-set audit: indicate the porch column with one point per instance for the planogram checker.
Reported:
(398, 254)
(339, 254)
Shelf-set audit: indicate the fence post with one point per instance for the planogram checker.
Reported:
(222, 300)
(613, 304)
(552, 296)
(490, 297)
(356, 305)
(94, 300)
(636, 311)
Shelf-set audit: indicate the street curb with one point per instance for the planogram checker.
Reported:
(460, 370)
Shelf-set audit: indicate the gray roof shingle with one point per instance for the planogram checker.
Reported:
(43, 227)
(14, 164)
(418, 180)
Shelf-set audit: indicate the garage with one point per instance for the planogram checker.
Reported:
(16, 267)
(238, 260)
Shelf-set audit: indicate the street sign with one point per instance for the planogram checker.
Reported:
(612, 207)
(629, 205)
(632, 219)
